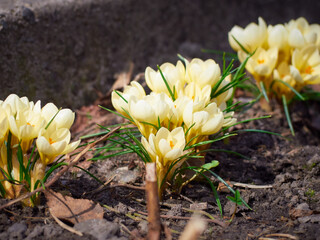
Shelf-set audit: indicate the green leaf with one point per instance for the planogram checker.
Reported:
(210, 165)
(236, 199)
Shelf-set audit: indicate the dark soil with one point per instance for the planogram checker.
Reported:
(290, 209)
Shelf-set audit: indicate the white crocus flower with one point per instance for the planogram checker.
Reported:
(229, 119)
(52, 143)
(64, 119)
(296, 39)
(202, 73)
(195, 93)
(312, 34)
(174, 75)
(278, 37)
(148, 111)
(307, 61)
(25, 126)
(251, 37)
(4, 125)
(261, 63)
(165, 148)
(202, 121)
(175, 113)
(300, 33)
(168, 146)
(13, 104)
(120, 103)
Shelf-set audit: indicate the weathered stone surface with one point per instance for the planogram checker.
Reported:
(67, 50)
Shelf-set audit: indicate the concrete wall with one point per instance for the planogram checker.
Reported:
(67, 50)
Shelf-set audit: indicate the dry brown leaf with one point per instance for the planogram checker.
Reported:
(72, 210)
(224, 188)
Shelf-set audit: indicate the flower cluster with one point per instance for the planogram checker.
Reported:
(24, 127)
(180, 111)
(285, 56)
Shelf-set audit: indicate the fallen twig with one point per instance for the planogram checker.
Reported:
(282, 235)
(222, 224)
(132, 234)
(65, 226)
(62, 171)
(126, 185)
(152, 197)
(244, 185)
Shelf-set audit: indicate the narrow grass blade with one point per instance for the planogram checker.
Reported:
(24, 172)
(258, 131)
(90, 174)
(228, 186)
(9, 156)
(116, 113)
(210, 141)
(286, 110)
(2, 191)
(111, 155)
(229, 152)
(30, 157)
(264, 92)
(231, 55)
(184, 60)
(120, 95)
(51, 120)
(292, 89)
(52, 168)
(241, 46)
(167, 84)
(245, 121)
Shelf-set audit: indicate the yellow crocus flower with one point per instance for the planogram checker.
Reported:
(164, 148)
(251, 37)
(307, 61)
(134, 90)
(64, 119)
(261, 64)
(174, 75)
(52, 143)
(152, 109)
(206, 120)
(25, 127)
(202, 73)
(195, 93)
